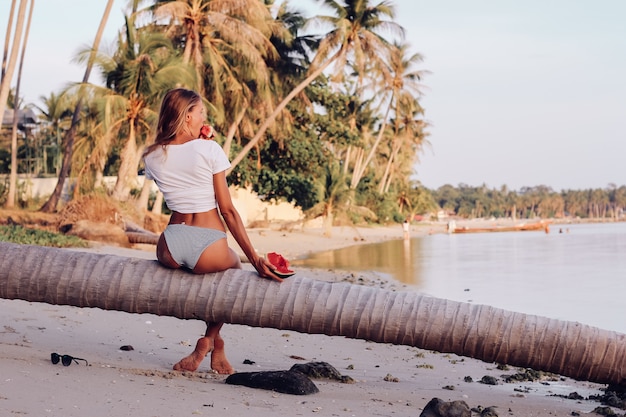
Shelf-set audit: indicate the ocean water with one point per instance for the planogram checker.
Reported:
(575, 273)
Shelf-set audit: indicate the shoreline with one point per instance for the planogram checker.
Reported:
(391, 380)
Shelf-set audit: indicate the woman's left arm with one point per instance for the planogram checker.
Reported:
(237, 229)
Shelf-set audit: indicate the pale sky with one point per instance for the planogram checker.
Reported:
(520, 93)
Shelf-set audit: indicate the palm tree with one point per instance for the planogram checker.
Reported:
(333, 193)
(408, 138)
(68, 142)
(91, 150)
(7, 38)
(248, 105)
(57, 112)
(142, 69)
(407, 130)
(13, 177)
(355, 34)
(335, 196)
(8, 66)
(57, 276)
(228, 44)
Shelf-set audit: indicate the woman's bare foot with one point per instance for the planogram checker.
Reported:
(193, 361)
(219, 363)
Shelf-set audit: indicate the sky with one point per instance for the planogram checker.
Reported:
(517, 93)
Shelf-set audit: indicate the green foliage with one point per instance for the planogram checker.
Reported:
(530, 202)
(5, 161)
(288, 167)
(25, 236)
(4, 190)
(288, 170)
(335, 113)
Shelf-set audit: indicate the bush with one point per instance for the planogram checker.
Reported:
(25, 236)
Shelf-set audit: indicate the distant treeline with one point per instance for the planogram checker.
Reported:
(530, 202)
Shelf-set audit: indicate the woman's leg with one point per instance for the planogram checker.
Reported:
(217, 257)
(219, 363)
(211, 342)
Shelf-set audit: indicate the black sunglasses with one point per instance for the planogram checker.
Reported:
(66, 360)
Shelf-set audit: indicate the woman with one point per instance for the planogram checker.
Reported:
(190, 172)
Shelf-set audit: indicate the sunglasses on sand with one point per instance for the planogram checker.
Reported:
(66, 360)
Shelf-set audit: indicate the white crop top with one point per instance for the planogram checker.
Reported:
(184, 174)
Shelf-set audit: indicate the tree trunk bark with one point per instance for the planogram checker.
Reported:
(356, 178)
(109, 282)
(16, 107)
(129, 160)
(231, 132)
(7, 75)
(7, 39)
(157, 207)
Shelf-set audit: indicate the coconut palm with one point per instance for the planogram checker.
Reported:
(8, 63)
(228, 44)
(68, 142)
(57, 276)
(407, 129)
(7, 39)
(13, 177)
(57, 113)
(91, 150)
(143, 68)
(248, 102)
(354, 34)
(333, 192)
(334, 197)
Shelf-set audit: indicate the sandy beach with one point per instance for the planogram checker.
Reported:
(389, 380)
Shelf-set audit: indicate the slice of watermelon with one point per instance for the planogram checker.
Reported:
(207, 132)
(281, 264)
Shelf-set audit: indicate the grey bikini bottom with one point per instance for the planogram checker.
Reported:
(186, 243)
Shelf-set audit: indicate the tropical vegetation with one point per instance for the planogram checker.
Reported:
(531, 202)
(322, 111)
(29, 236)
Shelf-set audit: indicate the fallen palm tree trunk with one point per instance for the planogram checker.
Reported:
(60, 276)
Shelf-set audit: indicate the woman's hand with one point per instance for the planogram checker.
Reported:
(264, 268)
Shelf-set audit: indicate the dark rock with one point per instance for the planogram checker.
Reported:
(604, 411)
(439, 408)
(321, 370)
(530, 375)
(489, 380)
(286, 382)
(489, 412)
(575, 396)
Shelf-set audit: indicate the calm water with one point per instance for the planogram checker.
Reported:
(578, 275)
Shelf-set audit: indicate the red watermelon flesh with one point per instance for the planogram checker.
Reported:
(281, 264)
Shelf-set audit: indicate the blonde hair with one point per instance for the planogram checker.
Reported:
(175, 106)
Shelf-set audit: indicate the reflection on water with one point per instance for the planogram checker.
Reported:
(394, 257)
(576, 275)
